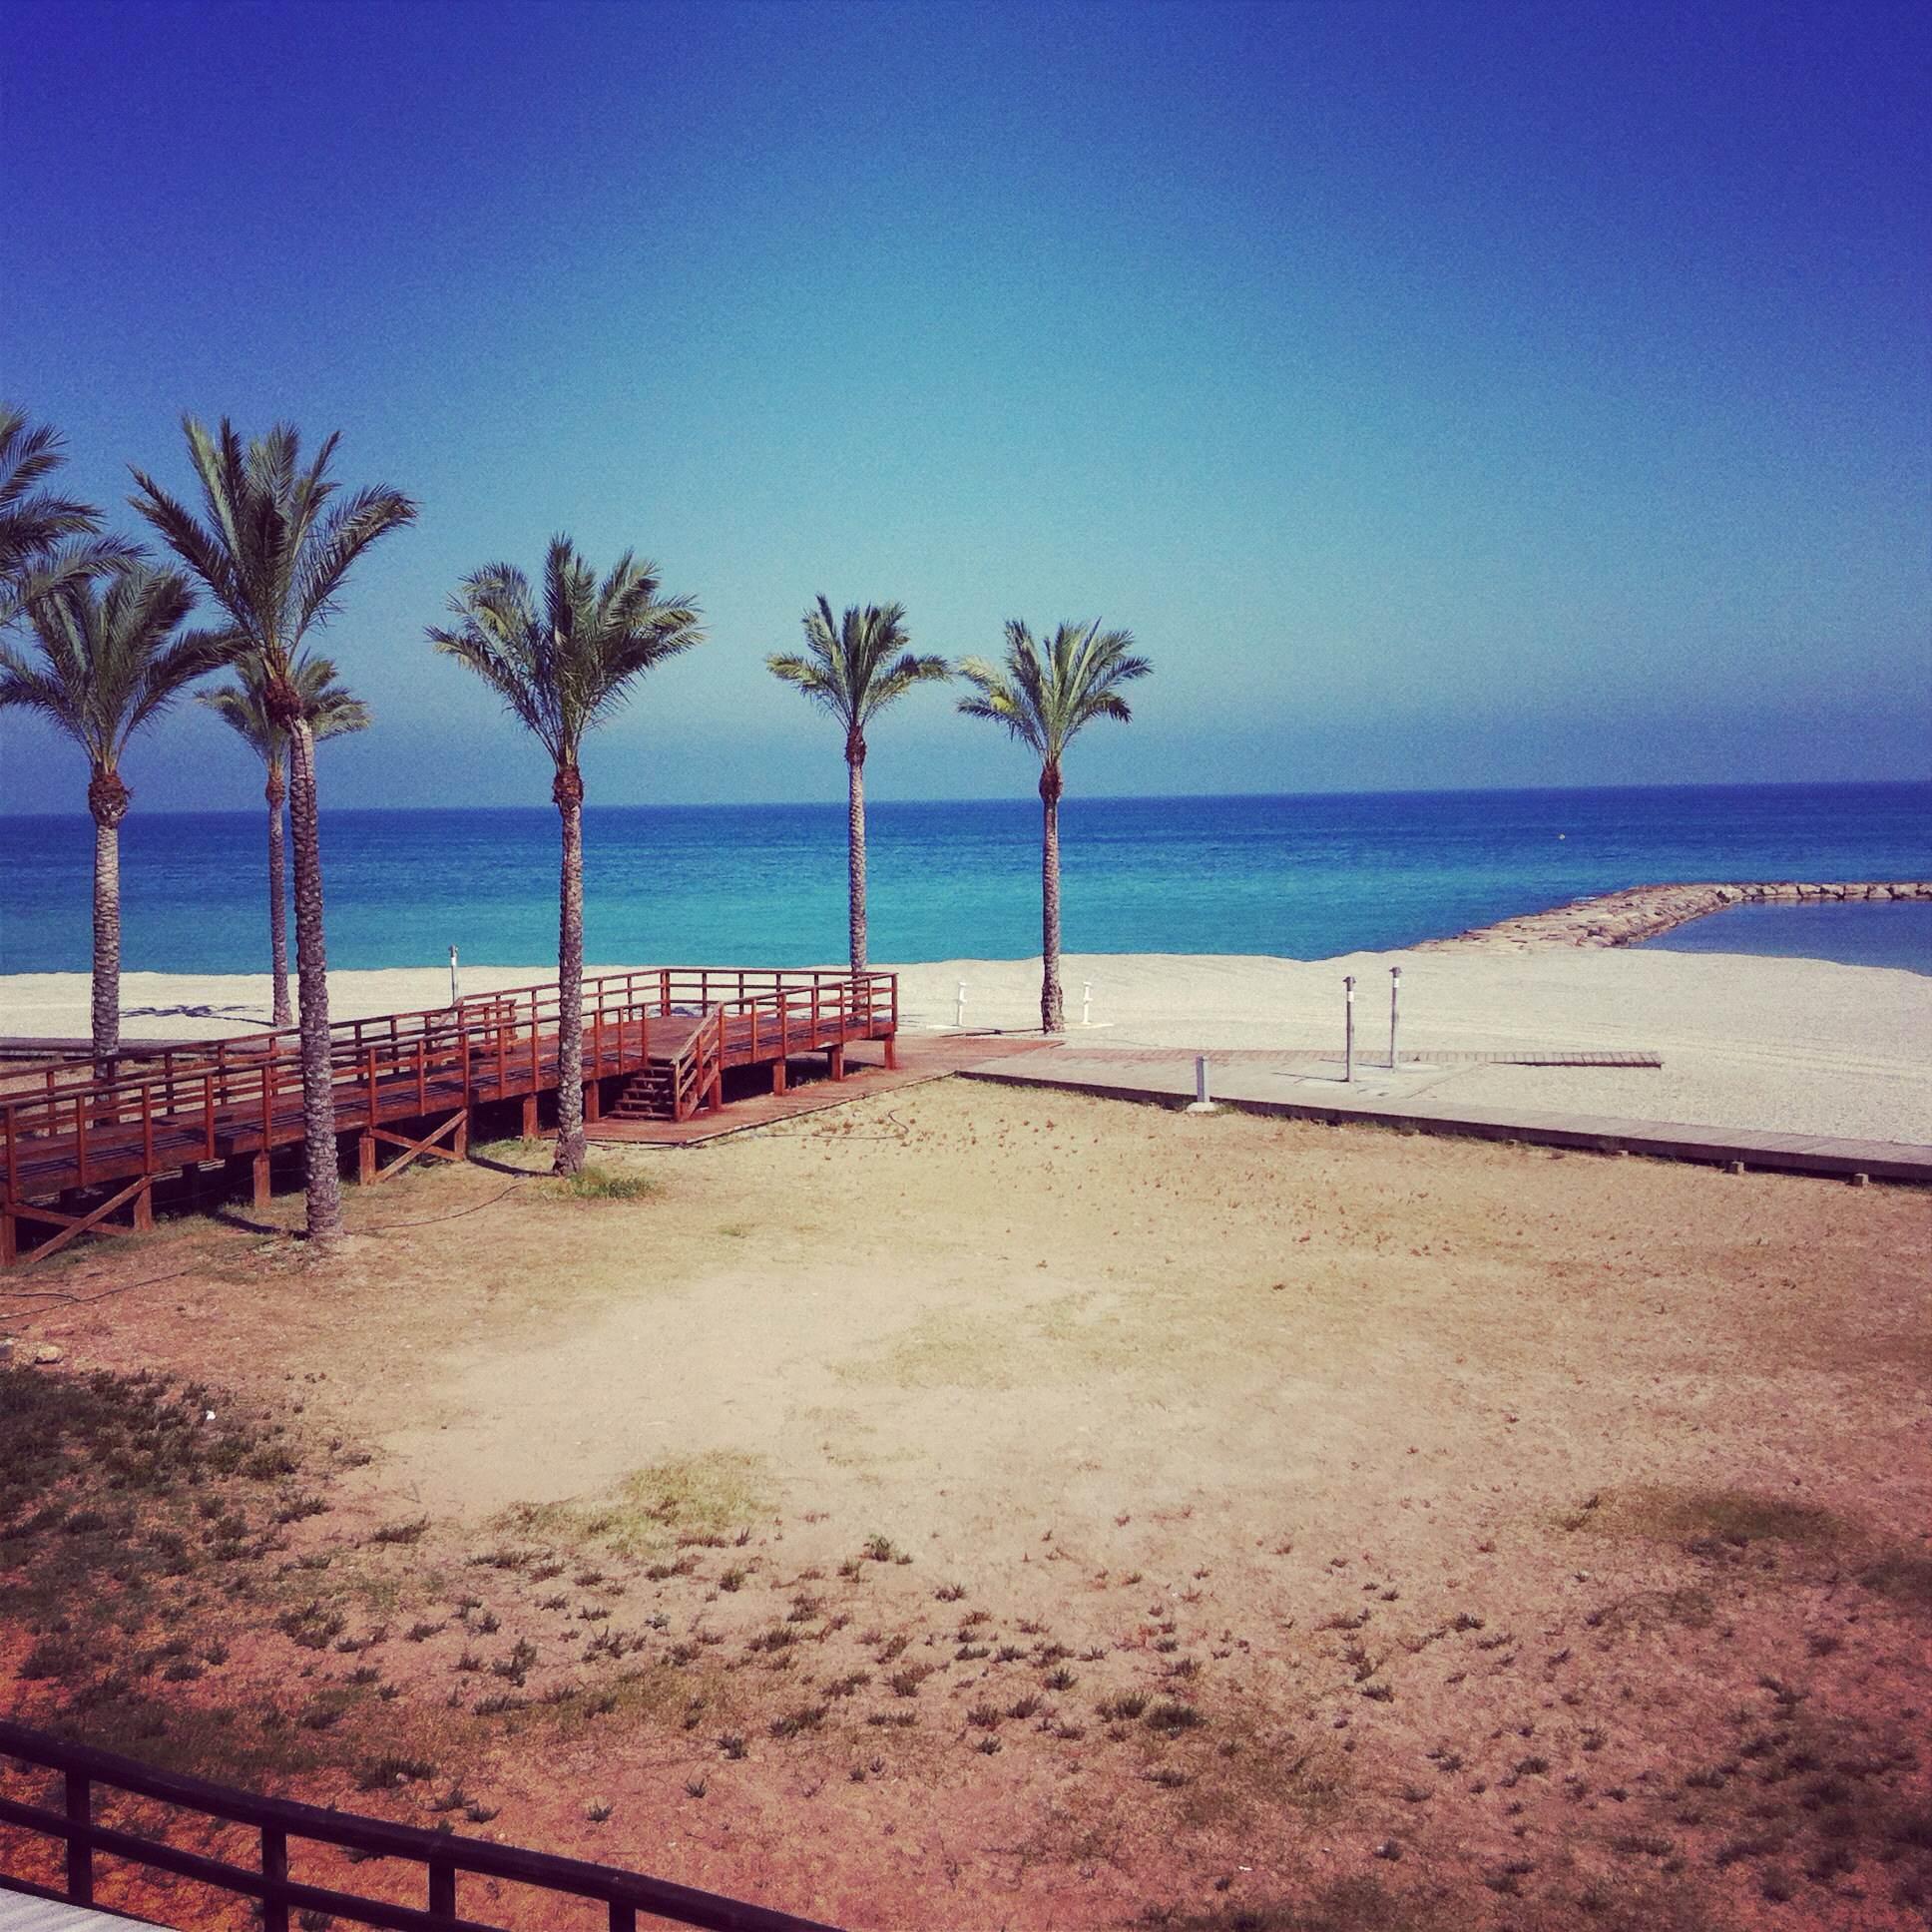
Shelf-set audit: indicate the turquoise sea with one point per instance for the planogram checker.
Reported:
(1304, 877)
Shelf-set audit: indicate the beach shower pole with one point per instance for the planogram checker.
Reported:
(1395, 1004)
(1086, 1002)
(959, 1006)
(1348, 1035)
(453, 996)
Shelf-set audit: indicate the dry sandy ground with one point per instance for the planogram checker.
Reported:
(1017, 1510)
(1783, 1045)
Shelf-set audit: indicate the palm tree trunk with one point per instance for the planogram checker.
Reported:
(567, 791)
(1053, 1013)
(107, 799)
(325, 1182)
(856, 853)
(277, 894)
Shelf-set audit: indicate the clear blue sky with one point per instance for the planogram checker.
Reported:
(1471, 394)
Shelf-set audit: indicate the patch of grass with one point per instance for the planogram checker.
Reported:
(594, 1183)
(683, 1498)
(386, 1772)
(401, 1532)
(1904, 1577)
(1712, 1518)
(794, 1724)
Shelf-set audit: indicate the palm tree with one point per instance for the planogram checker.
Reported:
(109, 661)
(273, 552)
(851, 667)
(45, 539)
(332, 712)
(561, 670)
(1043, 699)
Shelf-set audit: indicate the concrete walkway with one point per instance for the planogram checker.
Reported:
(20, 1912)
(1304, 1087)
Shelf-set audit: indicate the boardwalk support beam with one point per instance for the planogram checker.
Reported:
(458, 1124)
(137, 1195)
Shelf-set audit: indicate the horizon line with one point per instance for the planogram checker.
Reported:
(1084, 797)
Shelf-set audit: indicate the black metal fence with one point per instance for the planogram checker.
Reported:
(626, 1896)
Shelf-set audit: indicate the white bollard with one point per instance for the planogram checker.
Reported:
(1203, 1102)
(959, 1006)
(1086, 1002)
(1395, 1002)
(1348, 1035)
(455, 997)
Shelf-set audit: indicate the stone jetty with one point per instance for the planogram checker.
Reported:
(1643, 911)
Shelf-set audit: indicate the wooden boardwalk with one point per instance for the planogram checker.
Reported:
(76, 1146)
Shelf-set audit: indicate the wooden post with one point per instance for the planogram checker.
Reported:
(259, 1176)
(593, 1100)
(366, 1157)
(779, 1075)
(529, 1117)
(461, 1140)
(835, 1060)
(274, 1868)
(9, 1245)
(892, 1052)
(442, 1887)
(144, 1208)
(80, 1850)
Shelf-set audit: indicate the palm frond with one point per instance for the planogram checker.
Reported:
(269, 544)
(1043, 695)
(331, 708)
(855, 665)
(112, 657)
(36, 523)
(564, 668)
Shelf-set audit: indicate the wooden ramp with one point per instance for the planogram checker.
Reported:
(79, 1143)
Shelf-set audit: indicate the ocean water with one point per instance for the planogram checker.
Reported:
(1856, 935)
(1302, 877)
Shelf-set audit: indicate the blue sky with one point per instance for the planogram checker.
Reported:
(1482, 394)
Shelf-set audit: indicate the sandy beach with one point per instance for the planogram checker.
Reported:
(1793, 1046)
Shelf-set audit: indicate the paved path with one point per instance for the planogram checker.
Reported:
(20, 1914)
(1297, 1088)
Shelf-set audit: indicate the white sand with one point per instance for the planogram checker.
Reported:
(1793, 1046)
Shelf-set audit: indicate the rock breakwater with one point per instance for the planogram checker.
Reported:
(1643, 911)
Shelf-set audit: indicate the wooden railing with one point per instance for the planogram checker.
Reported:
(505, 1038)
(442, 1856)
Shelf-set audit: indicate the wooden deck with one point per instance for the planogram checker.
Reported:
(656, 1046)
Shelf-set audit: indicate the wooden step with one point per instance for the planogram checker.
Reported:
(648, 1095)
